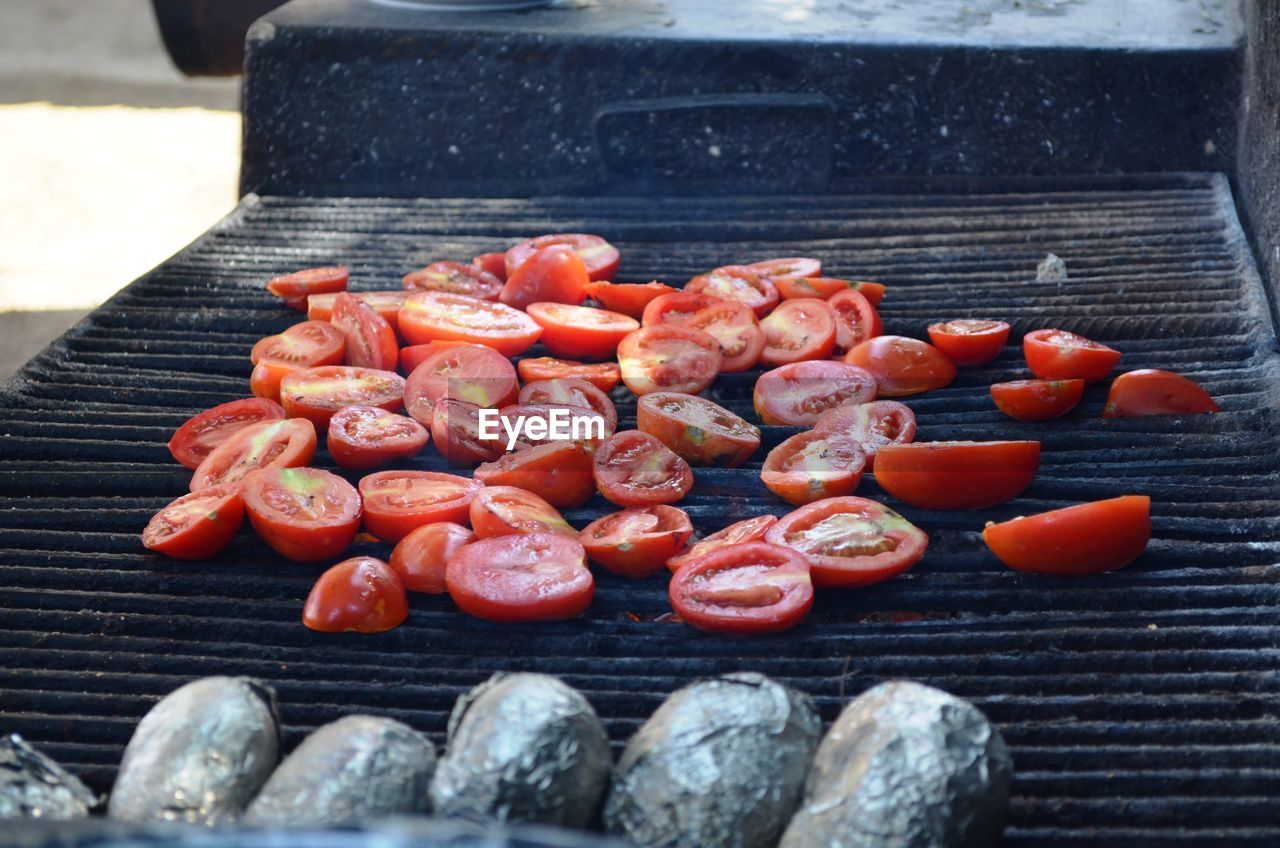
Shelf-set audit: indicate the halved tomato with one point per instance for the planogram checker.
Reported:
(850, 541)
(456, 430)
(627, 298)
(365, 437)
(359, 595)
(666, 357)
(520, 578)
(570, 391)
(637, 542)
(494, 263)
(553, 274)
(296, 287)
(790, 267)
(397, 502)
(1089, 538)
(284, 443)
(814, 465)
(581, 332)
(548, 423)
(303, 345)
(468, 372)
(798, 394)
(957, 475)
(856, 319)
(371, 341)
(200, 434)
(903, 366)
(969, 341)
(413, 355)
(740, 283)
(825, 287)
(1062, 355)
(676, 308)
(267, 375)
(304, 514)
(873, 425)
(1150, 391)
(317, 393)
(386, 303)
(635, 469)
(1037, 400)
(697, 429)
(603, 375)
(752, 587)
(735, 327)
(600, 257)
(436, 316)
(198, 525)
(454, 278)
(420, 558)
(506, 510)
(798, 330)
(557, 472)
(747, 530)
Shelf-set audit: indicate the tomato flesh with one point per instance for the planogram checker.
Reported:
(666, 357)
(850, 541)
(1062, 355)
(750, 587)
(635, 469)
(740, 283)
(419, 559)
(438, 316)
(398, 502)
(798, 394)
(304, 514)
(506, 510)
(598, 256)
(386, 303)
(856, 319)
(968, 341)
(197, 525)
(200, 434)
(317, 393)
(800, 329)
(1037, 400)
(903, 366)
(371, 341)
(528, 577)
(554, 274)
(814, 465)
(677, 307)
(283, 443)
(747, 530)
(957, 475)
(296, 287)
(414, 355)
(454, 278)
(627, 298)
(580, 332)
(558, 472)
(697, 429)
(1150, 391)
(637, 542)
(468, 372)
(359, 595)
(1088, 538)
(570, 391)
(737, 330)
(790, 267)
(551, 423)
(455, 429)
(603, 375)
(825, 287)
(363, 437)
(304, 345)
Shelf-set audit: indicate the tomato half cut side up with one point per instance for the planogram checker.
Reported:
(317, 393)
(666, 357)
(748, 588)
(1037, 400)
(198, 525)
(797, 395)
(385, 303)
(627, 298)
(472, 373)
(740, 283)
(558, 472)
(747, 530)
(454, 278)
(571, 391)
(455, 429)
(677, 307)
(903, 366)
(798, 330)
(792, 266)
(635, 469)
(599, 257)
(554, 274)
(637, 542)
(969, 341)
(850, 541)
(506, 510)
(873, 425)
(957, 475)
(825, 287)
(363, 437)
(737, 330)
(1089, 538)
(1061, 355)
(1150, 391)
(358, 595)
(697, 429)
(414, 355)
(371, 341)
(285, 443)
(522, 578)
(420, 558)
(548, 423)
(814, 465)
(437, 316)
(201, 433)
(603, 375)
(304, 345)
(856, 319)
(304, 514)
(580, 332)
(296, 287)
(398, 502)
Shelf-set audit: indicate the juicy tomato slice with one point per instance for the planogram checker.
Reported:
(198, 525)
(676, 308)
(666, 357)
(957, 475)
(437, 316)
(627, 298)
(317, 393)
(398, 502)
(697, 429)
(740, 283)
(969, 341)
(856, 319)
(413, 355)
(599, 257)
(519, 578)
(1089, 538)
(1037, 400)
(557, 472)
(420, 558)
(454, 278)
(814, 465)
(637, 542)
(200, 434)
(635, 469)
(571, 391)
(360, 595)
(581, 332)
(1150, 391)
(903, 366)
(554, 274)
(371, 341)
(1062, 355)
(747, 530)
(303, 345)
(800, 329)
(794, 266)
(283, 443)
(300, 284)
(385, 303)
(736, 328)
(603, 375)
(797, 395)
(873, 425)
(455, 427)
(304, 514)
(363, 437)
(750, 587)
(825, 287)
(850, 541)
(493, 263)
(468, 372)
(506, 510)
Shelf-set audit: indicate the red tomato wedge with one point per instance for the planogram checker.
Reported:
(506, 510)
(436, 316)
(968, 341)
(553, 274)
(797, 395)
(571, 391)
(637, 542)
(363, 437)
(850, 541)
(627, 298)
(1037, 400)
(420, 558)
(797, 330)
(547, 423)
(521, 578)
(317, 393)
(581, 332)
(468, 372)
(825, 287)
(737, 330)
(1089, 538)
(200, 434)
(635, 469)
(603, 375)
(677, 307)
(873, 425)
(669, 358)
(198, 525)
(284, 443)
(814, 465)
(1062, 355)
(296, 287)
(697, 429)
(266, 378)
(747, 530)
(794, 266)
(557, 472)
(455, 428)
(957, 475)
(856, 319)
(386, 303)
(371, 341)
(398, 502)
(740, 283)
(454, 278)
(751, 587)
(304, 514)
(599, 257)
(494, 263)
(413, 355)
(903, 366)
(359, 595)
(303, 345)
(1153, 392)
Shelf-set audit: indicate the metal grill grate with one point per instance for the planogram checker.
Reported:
(1141, 706)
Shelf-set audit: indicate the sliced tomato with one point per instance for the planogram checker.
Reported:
(436, 316)
(873, 425)
(359, 595)
(957, 475)
(420, 558)
(371, 341)
(397, 502)
(304, 514)
(856, 319)
(814, 465)
(798, 394)
(637, 542)
(468, 372)
(506, 510)
(1150, 391)
(413, 355)
(581, 332)
(455, 428)
(200, 434)
(520, 578)
(736, 328)
(549, 423)
(697, 429)
(603, 375)
(296, 287)
(267, 375)
(557, 472)
(493, 263)
(627, 298)
(303, 345)
(635, 469)
(676, 308)
(386, 303)
(750, 587)
(1089, 538)
(1062, 355)
(571, 391)
(825, 287)
(317, 393)
(740, 283)
(198, 525)
(1037, 400)
(794, 266)
(599, 257)
(747, 530)
(553, 274)
(363, 437)
(798, 330)
(903, 366)
(850, 541)
(969, 341)
(666, 357)
(454, 278)
(284, 443)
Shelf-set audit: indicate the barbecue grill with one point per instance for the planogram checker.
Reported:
(1140, 706)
